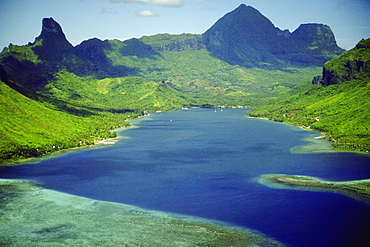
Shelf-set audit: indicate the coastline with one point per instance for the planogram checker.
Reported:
(312, 147)
(356, 189)
(33, 215)
(98, 144)
(317, 144)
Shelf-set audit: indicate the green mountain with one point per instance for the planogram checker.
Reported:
(337, 104)
(245, 37)
(121, 94)
(33, 124)
(31, 128)
(188, 67)
(182, 61)
(100, 83)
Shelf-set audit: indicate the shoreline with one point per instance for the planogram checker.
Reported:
(356, 189)
(33, 215)
(98, 144)
(308, 148)
(316, 144)
(312, 147)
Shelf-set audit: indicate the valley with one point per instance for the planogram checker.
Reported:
(243, 60)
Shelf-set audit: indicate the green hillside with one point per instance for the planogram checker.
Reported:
(30, 128)
(338, 106)
(116, 94)
(184, 65)
(74, 111)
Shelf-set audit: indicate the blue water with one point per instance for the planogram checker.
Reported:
(205, 163)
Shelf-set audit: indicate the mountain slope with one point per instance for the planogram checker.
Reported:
(30, 128)
(242, 37)
(75, 111)
(55, 47)
(338, 106)
(121, 94)
(247, 38)
(183, 65)
(179, 60)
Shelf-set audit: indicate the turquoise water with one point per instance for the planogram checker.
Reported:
(205, 163)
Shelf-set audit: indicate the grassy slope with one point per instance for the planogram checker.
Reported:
(30, 128)
(341, 110)
(116, 94)
(76, 111)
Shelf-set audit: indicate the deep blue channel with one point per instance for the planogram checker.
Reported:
(205, 163)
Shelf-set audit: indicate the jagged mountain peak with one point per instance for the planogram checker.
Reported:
(312, 31)
(242, 36)
(246, 9)
(246, 37)
(50, 25)
(245, 18)
(55, 45)
(52, 32)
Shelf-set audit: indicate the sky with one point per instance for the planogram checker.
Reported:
(20, 20)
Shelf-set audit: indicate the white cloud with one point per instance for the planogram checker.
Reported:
(163, 3)
(167, 3)
(146, 13)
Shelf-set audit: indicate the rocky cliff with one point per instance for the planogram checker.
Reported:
(354, 64)
(55, 46)
(194, 43)
(309, 44)
(168, 42)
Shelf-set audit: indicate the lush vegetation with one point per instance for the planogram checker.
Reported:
(75, 111)
(57, 96)
(30, 128)
(359, 53)
(120, 94)
(23, 52)
(69, 110)
(340, 110)
(212, 81)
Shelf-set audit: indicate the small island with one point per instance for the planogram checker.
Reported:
(357, 189)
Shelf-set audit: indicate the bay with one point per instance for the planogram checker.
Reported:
(206, 163)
